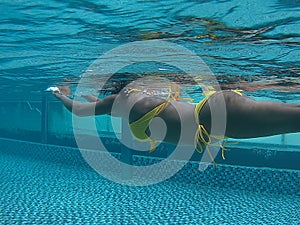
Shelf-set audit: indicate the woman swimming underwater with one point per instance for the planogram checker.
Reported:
(245, 117)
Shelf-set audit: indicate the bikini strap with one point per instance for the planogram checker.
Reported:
(202, 137)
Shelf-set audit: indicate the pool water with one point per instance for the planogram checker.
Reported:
(46, 42)
(247, 44)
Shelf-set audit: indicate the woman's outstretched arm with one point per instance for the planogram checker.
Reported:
(102, 106)
(91, 98)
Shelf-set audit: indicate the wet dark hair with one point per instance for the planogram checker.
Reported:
(113, 87)
(117, 82)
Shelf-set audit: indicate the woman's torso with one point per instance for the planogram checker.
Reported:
(176, 120)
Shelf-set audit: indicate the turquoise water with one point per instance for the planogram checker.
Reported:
(247, 44)
(44, 42)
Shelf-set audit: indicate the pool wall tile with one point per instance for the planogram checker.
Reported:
(269, 180)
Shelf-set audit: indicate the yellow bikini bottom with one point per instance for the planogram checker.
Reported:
(202, 138)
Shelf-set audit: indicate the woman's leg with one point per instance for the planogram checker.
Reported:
(248, 118)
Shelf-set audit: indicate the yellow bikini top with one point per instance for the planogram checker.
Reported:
(138, 128)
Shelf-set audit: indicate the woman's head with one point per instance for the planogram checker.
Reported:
(117, 82)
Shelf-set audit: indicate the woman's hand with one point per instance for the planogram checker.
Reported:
(57, 94)
(62, 91)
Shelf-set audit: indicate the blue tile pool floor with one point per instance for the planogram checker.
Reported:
(46, 192)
